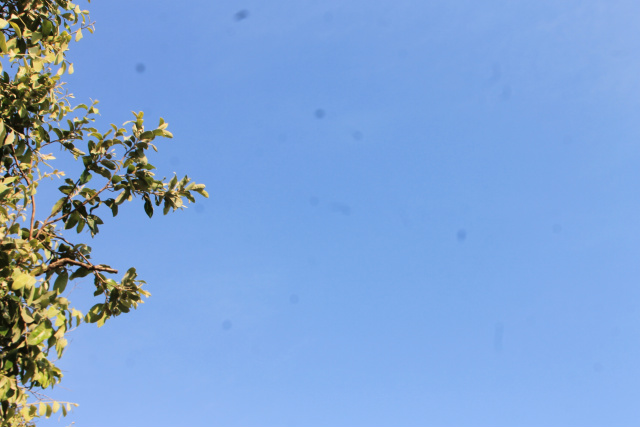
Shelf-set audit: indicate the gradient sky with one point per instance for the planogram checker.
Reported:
(422, 213)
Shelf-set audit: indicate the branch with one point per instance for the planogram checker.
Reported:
(66, 261)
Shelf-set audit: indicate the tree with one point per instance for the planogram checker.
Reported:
(40, 248)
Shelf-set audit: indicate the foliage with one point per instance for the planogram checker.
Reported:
(39, 255)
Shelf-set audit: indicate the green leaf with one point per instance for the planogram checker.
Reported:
(47, 27)
(16, 28)
(148, 135)
(85, 177)
(148, 207)
(79, 273)
(58, 206)
(173, 182)
(129, 275)
(61, 282)
(202, 192)
(10, 137)
(20, 280)
(42, 332)
(71, 220)
(124, 195)
(4, 190)
(95, 313)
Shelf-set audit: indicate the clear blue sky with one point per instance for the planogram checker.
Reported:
(422, 213)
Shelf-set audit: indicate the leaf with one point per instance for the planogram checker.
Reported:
(10, 137)
(124, 195)
(61, 282)
(58, 206)
(47, 27)
(173, 182)
(79, 35)
(66, 189)
(79, 273)
(4, 190)
(16, 28)
(148, 207)
(101, 321)
(85, 177)
(71, 220)
(202, 192)
(129, 275)
(39, 334)
(20, 280)
(95, 313)
(148, 135)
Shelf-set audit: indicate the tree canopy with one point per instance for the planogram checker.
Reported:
(42, 247)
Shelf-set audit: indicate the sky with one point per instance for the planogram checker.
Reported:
(421, 213)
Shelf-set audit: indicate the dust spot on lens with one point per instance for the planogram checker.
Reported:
(598, 367)
(241, 14)
(357, 135)
(226, 325)
(461, 235)
(199, 208)
(294, 299)
(140, 67)
(320, 113)
(557, 228)
(342, 208)
(313, 201)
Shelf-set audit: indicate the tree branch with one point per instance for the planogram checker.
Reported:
(66, 261)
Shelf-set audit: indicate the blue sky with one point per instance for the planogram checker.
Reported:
(421, 214)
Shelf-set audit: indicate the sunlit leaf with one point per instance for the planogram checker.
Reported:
(39, 334)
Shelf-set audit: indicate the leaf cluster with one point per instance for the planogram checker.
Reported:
(38, 258)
